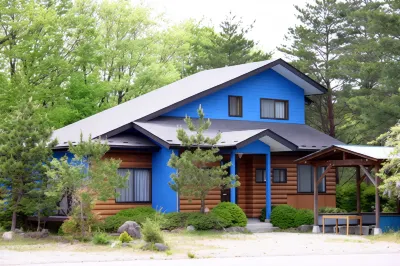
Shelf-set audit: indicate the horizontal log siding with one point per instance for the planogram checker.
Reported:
(129, 160)
(279, 192)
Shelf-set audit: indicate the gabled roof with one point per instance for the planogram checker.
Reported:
(374, 153)
(167, 98)
(236, 134)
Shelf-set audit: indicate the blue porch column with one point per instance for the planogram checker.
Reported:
(268, 185)
(163, 197)
(233, 172)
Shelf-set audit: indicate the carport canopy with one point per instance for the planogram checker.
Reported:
(363, 158)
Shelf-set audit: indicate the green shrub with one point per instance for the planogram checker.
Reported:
(204, 221)
(100, 239)
(151, 231)
(303, 217)
(331, 210)
(230, 213)
(263, 215)
(138, 211)
(70, 227)
(174, 220)
(125, 237)
(282, 216)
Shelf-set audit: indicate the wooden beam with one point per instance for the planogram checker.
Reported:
(343, 163)
(368, 174)
(315, 196)
(377, 199)
(324, 174)
(358, 190)
(362, 179)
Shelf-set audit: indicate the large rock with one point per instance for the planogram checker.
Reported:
(161, 247)
(132, 228)
(8, 235)
(305, 228)
(190, 228)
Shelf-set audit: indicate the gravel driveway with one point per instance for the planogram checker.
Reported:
(225, 246)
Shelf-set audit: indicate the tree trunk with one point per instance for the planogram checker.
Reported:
(38, 222)
(203, 204)
(331, 116)
(14, 221)
(82, 227)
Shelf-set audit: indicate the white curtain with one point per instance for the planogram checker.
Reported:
(126, 194)
(234, 106)
(280, 110)
(267, 108)
(142, 185)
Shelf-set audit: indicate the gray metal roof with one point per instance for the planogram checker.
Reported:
(280, 136)
(123, 140)
(377, 152)
(162, 100)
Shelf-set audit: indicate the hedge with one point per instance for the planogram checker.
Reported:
(230, 214)
(282, 216)
(303, 217)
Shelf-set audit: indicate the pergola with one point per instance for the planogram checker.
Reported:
(363, 158)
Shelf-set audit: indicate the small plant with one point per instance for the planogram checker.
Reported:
(100, 239)
(125, 237)
(151, 231)
(282, 216)
(331, 210)
(168, 252)
(303, 217)
(190, 255)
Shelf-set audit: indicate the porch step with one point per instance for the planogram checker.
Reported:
(260, 227)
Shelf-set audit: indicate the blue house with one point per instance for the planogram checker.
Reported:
(260, 110)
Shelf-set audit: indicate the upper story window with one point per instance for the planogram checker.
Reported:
(274, 109)
(235, 106)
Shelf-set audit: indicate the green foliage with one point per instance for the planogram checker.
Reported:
(331, 210)
(303, 217)
(69, 227)
(112, 223)
(125, 237)
(202, 221)
(26, 150)
(151, 231)
(346, 197)
(138, 211)
(84, 178)
(100, 239)
(196, 175)
(263, 215)
(174, 220)
(230, 214)
(282, 216)
(191, 255)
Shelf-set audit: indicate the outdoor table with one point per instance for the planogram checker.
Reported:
(337, 217)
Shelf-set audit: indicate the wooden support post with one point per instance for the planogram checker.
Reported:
(358, 191)
(377, 200)
(316, 227)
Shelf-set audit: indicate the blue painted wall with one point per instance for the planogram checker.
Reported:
(268, 84)
(390, 222)
(162, 195)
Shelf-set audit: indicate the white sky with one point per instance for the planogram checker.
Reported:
(273, 17)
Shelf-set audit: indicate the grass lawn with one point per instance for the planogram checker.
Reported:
(393, 237)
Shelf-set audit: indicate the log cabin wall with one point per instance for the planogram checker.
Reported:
(129, 159)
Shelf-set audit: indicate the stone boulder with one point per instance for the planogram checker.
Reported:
(8, 235)
(190, 228)
(132, 228)
(41, 234)
(160, 247)
(305, 228)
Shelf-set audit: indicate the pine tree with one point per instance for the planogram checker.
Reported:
(88, 177)
(198, 168)
(25, 150)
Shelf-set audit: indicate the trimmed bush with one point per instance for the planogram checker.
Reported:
(100, 239)
(230, 214)
(138, 211)
(282, 216)
(303, 217)
(174, 220)
(204, 221)
(331, 210)
(125, 237)
(151, 232)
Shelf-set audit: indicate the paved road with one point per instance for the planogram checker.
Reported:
(390, 259)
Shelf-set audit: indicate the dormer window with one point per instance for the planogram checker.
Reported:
(235, 106)
(274, 109)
